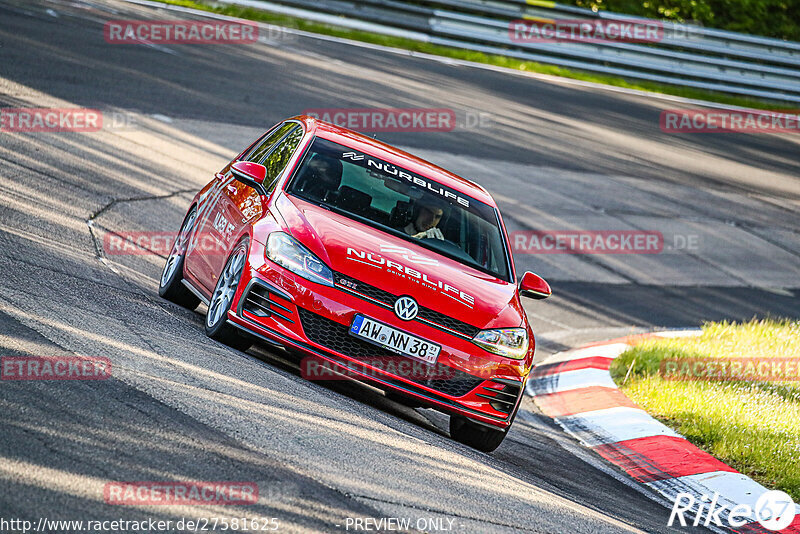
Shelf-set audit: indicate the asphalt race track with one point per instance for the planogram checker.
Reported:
(557, 155)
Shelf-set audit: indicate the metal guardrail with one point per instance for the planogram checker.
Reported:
(687, 55)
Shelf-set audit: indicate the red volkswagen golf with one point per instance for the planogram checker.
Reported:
(370, 263)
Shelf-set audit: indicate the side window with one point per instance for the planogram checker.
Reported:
(278, 158)
(269, 141)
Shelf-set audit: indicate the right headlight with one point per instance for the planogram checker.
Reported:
(284, 250)
(508, 342)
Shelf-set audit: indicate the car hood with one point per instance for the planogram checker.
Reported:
(400, 267)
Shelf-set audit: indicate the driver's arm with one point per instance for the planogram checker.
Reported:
(433, 233)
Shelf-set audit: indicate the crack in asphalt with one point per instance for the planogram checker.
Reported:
(90, 220)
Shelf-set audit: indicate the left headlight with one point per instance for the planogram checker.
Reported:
(508, 342)
(289, 254)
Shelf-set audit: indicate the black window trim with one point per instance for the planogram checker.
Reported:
(278, 144)
(279, 141)
(255, 146)
(274, 183)
(512, 272)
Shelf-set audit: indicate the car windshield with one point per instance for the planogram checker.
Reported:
(402, 203)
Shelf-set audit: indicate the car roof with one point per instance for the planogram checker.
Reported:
(395, 156)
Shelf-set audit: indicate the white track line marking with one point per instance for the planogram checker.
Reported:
(569, 380)
(612, 425)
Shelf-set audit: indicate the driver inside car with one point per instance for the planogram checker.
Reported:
(425, 221)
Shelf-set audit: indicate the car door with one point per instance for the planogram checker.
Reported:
(220, 217)
(244, 203)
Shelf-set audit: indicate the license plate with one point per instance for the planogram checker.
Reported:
(394, 339)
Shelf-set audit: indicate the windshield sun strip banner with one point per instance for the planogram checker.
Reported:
(371, 163)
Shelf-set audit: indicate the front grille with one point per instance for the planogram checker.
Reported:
(448, 322)
(365, 289)
(502, 399)
(335, 336)
(262, 301)
(389, 299)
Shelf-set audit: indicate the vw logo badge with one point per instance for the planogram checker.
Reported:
(406, 308)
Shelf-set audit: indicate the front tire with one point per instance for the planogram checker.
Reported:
(474, 435)
(170, 286)
(216, 323)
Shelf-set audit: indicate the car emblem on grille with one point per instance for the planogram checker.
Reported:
(406, 308)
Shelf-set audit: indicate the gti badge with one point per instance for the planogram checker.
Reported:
(406, 308)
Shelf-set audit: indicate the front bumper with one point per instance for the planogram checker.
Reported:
(286, 310)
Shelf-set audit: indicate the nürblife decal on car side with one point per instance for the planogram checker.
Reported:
(223, 226)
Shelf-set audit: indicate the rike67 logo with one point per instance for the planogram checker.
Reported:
(774, 510)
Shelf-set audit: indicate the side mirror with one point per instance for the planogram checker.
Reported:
(249, 173)
(534, 286)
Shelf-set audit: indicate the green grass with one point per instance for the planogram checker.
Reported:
(772, 18)
(752, 426)
(478, 57)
